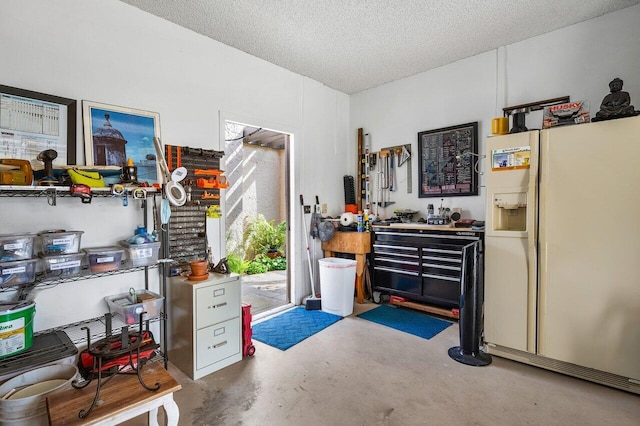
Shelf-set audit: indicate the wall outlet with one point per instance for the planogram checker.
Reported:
(307, 209)
(324, 208)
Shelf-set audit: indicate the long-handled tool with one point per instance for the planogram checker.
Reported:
(366, 172)
(312, 303)
(314, 232)
(392, 171)
(315, 219)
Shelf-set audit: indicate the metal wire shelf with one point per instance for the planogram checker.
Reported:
(75, 332)
(43, 281)
(97, 328)
(59, 191)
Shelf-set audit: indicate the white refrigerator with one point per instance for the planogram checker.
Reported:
(562, 250)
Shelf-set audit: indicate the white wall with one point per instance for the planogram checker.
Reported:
(393, 114)
(579, 61)
(263, 172)
(107, 51)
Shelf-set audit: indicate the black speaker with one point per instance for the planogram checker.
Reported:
(455, 216)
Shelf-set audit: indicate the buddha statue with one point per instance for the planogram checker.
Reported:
(616, 104)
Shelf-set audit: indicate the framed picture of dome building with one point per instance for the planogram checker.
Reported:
(113, 135)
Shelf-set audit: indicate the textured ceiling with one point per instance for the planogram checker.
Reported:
(353, 45)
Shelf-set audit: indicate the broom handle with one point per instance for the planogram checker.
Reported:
(316, 272)
(306, 240)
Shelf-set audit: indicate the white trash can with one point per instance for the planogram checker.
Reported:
(337, 285)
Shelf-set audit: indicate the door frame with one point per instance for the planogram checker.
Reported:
(292, 187)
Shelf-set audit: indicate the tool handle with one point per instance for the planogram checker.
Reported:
(301, 200)
(317, 200)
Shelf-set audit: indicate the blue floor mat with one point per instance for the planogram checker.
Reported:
(411, 322)
(292, 327)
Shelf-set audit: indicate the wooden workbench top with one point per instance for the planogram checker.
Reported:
(419, 225)
(122, 393)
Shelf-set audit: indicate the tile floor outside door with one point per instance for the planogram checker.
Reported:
(265, 292)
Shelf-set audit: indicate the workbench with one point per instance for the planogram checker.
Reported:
(357, 243)
(123, 399)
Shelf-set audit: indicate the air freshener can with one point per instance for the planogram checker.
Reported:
(360, 222)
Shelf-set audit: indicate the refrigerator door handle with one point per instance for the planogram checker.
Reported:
(532, 238)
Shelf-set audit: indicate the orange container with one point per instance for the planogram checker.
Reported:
(351, 208)
(213, 182)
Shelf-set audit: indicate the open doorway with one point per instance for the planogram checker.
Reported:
(256, 222)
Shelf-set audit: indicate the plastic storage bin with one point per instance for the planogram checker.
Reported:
(18, 272)
(145, 254)
(147, 301)
(337, 285)
(16, 247)
(104, 259)
(60, 242)
(62, 265)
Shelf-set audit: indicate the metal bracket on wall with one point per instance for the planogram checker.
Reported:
(535, 106)
(519, 111)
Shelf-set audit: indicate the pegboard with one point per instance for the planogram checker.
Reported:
(196, 159)
(187, 225)
(187, 235)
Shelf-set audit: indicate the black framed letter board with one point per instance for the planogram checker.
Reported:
(447, 161)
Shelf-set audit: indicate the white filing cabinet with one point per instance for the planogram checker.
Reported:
(206, 324)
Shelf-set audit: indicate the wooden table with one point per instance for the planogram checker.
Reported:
(123, 398)
(358, 243)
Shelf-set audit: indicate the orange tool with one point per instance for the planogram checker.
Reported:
(208, 172)
(209, 196)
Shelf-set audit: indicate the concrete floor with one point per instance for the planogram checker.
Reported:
(356, 372)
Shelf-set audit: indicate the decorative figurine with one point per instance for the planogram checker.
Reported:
(616, 104)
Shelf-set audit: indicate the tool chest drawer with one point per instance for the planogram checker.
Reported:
(421, 264)
(216, 303)
(397, 280)
(442, 262)
(441, 292)
(397, 258)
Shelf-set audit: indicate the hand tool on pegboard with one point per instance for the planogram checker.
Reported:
(392, 170)
(383, 179)
(404, 156)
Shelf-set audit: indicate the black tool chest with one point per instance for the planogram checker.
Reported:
(420, 263)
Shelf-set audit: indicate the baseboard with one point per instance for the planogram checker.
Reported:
(597, 376)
